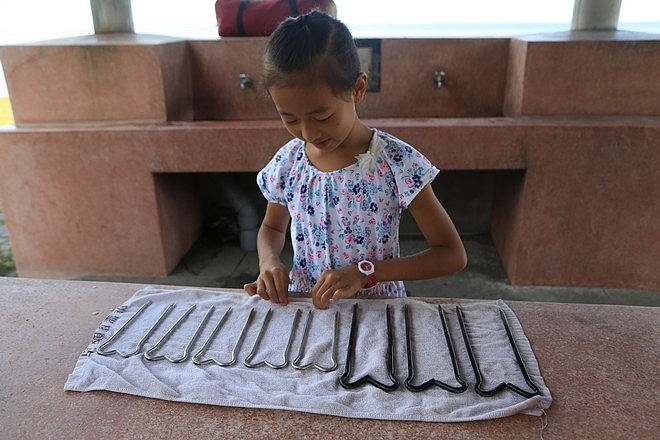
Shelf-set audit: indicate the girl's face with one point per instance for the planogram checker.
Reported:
(313, 113)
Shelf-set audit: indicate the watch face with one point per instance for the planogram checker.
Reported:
(366, 266)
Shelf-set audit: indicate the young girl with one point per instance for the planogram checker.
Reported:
(342, 184)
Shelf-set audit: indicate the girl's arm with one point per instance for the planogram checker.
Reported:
(273, 281)
(445, 255)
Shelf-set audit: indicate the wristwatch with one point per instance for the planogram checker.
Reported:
(367, 268)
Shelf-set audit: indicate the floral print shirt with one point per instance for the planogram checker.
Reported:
(341, 217)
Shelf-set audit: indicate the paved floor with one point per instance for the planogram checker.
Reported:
(214, 263)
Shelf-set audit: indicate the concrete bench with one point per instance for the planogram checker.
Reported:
(98, 176)
(599, 362)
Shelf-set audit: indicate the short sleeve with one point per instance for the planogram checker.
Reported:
(276, 179)
(411, 169)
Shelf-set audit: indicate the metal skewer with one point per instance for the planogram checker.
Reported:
(296, 362)
(148, 354)
(477, 372)
(343, 380)
(411, 363)
(101, 349)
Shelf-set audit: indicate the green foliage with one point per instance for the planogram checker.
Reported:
(7, 267)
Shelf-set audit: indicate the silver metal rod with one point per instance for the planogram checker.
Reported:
(101, 349)
(239, 343)
(197, 357)
(147, 335)
(248, 360)
(285, 356)
(193, 339)
(148, 354)
(297, 361)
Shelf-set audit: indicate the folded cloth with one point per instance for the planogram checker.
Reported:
(167, 325)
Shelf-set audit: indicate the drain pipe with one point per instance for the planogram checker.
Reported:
(248, 213)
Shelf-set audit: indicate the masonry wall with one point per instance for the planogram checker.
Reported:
(95, 178)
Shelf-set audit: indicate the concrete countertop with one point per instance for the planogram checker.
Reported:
(600, 363)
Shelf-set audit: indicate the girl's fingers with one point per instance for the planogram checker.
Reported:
(317, 293)
(321, 297)
(270, 290)
(282, 287)
(272, 286)
(262, 289)
(250, 288)
(340, 294)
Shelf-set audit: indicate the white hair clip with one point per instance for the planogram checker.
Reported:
(368, 159)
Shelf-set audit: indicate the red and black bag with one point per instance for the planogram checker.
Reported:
(242, 18)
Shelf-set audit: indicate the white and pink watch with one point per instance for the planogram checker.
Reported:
(367, 268)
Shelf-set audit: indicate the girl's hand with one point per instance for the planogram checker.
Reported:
(273, 281)
(337, 284)
(272, 284)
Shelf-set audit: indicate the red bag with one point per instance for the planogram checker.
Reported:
(260, 17)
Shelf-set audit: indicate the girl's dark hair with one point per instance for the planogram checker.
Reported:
(311, 47)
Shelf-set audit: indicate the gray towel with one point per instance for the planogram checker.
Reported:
(311, 390)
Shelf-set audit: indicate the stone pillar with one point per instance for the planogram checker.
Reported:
(112, 16)
(595, 14)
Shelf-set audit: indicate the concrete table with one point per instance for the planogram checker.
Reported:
(600, 363)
